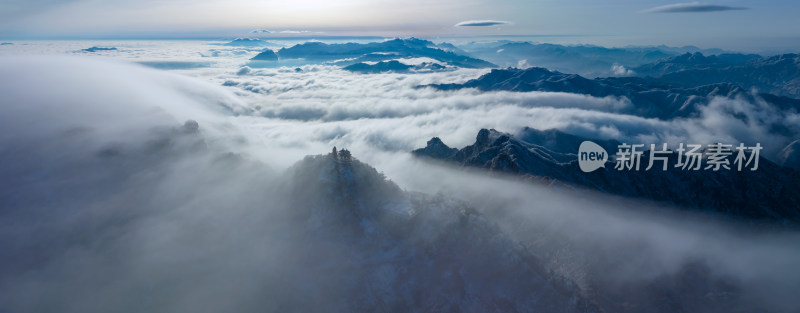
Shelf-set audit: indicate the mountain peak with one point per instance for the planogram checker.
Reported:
(266, 55)
(340, 179)
(483, 137)
(436, 149)
(435, 141)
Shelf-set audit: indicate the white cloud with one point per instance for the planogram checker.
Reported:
(692, 7)
(481, 23)
(620, 70)
(289, 31)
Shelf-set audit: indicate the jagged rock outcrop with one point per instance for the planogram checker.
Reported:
(771, 193)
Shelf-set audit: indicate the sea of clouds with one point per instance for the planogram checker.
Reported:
(392, 112)
(116, 181)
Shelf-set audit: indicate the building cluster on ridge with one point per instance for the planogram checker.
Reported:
(343, 154)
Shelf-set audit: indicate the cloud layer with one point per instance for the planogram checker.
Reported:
(692, 7)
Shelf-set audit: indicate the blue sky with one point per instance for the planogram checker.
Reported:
(723, 23)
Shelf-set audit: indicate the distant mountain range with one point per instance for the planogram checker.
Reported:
(685, 67)
(586, 60)
(771, 193)
(692, 61)
(648, 97)
(591, 61)
(352, 53)
(247, 42)
(778, 75)
(393, 66)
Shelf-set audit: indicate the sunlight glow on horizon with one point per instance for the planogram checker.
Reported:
(770, 22)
